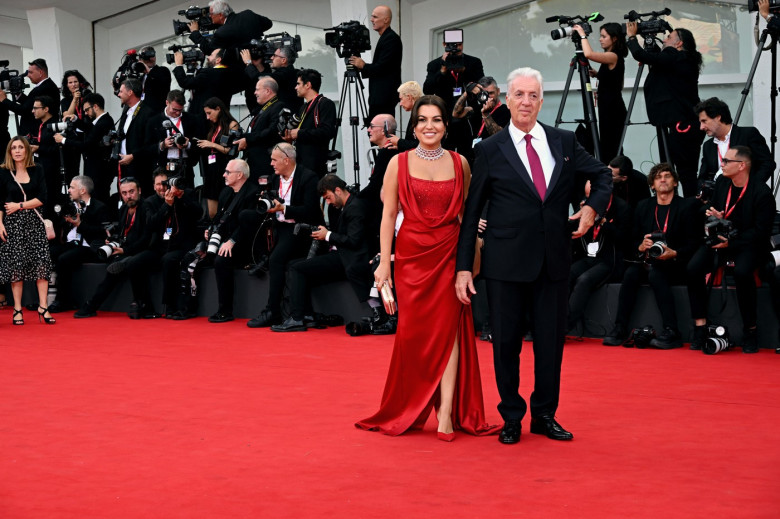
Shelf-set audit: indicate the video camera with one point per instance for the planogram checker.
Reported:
(716, 227)
(649, 28)
(774, 6)
(196, 14)
(12, 80)
(567, 23)
(349, 39)
(229, 141)
(193, 56)
(130, 68)
(264, 48)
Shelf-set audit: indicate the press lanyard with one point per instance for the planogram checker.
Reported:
(284, 195)
(666, 223)
(597, 229)
(216, 134)
(132, 221)
(308, 107)
(728, 199)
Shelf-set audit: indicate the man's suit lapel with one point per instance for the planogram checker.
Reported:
(509, 150)
(556, 148)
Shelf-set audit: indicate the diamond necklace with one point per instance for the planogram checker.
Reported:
(429, 154)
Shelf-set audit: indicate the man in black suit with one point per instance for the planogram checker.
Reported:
(384, 73)
(449, 83)
(156, 82)
(628, 183)
(297, 187)
(371, 194)
(164, 129)
(81, 229)
(347, 258)
(317, 126)
(715, 119)
(97, 163)
(676, 219)
(134, 159)
(213, 80)
(280, 70)
(235, 28)
(38, 74)
(671, 91)
(750, 207)
(531, 174)
(262, 133)
(46, 150)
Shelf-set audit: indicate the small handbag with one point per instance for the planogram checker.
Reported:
(47, 224)
(387, 298)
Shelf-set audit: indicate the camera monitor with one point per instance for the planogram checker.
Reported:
(453, 36)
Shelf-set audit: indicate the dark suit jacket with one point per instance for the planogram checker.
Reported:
(139, 233)
(182, 217)
(96, 156)
(634, 189)
(672, 86)
(384, 73)
(525, 234)
(370, 196)
(93, 220)
(23, 105)
(317, 129)
(137, 142)
(409, 141)
(228, 209)
(238, 28)
(285, 77)
(261, 139)
(683, 234)
(205, 84)
(156, 87)
(352, 245)
(305, 199)
(763, 165)
(442, 85)
(156, 134)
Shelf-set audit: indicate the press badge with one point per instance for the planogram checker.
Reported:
(457, 91)
(168, 233)
(212, 159)
(593, 249)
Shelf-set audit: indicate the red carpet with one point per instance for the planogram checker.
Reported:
(196, 420)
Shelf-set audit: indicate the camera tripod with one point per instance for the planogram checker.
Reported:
(353, 94)
(772, 29)
(580, 63)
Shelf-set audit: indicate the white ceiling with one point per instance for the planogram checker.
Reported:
(108, 12)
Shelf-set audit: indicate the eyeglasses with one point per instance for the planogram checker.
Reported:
(277, 147)
(37, 108)
(277, 55)
(127, 180)
(371, 126)
(87, 108)
(728, 161)
(228, 172)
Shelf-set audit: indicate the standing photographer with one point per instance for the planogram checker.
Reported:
(171, 134)
(46, 150)
(671, 91)
(38, 74)
(234, 28)
(449, 81)
(156, 81)
(209, 81)
(280, 70)
(262, 132)
(134, 159)
(477, 115)
(739, 223)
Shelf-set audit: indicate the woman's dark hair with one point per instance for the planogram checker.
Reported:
(614, 30)
(225, 117)
(689, 46)
(436, 101)
(83, 83)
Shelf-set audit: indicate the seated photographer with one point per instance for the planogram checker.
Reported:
(347, 258)
(281, 70)
(85, 223)
(212, 80)
(234, 28)
(739, 223)
(123, 250)
(598, 256)
(295, 200)
(479, 114)
(715, 119)
(262, 132)
(627, 183)
(172, 133)
(317, 126)
(380, 126)
(665, 235)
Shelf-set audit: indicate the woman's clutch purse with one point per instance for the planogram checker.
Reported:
(387, 298)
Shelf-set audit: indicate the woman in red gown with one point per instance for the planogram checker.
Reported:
(434, 363)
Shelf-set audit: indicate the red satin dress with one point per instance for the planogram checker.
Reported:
(430, 317)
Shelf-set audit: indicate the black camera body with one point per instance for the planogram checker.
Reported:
(197, 14)
(650, 27)
(264, 48)
(113, 141)
(70, 209)
(11, 80)
(170, 129)
(288, 120)
(774, 6)
(567, 23)
(175, 182)
(229, 141)
(61, 126)
(641, 337)
(477, 100)
(348, 39)
(706, 191)
(115, 241)
(657, 248)
(306, 229)
(716, 227)
(193, 57)
(130, 68)
(717, 339)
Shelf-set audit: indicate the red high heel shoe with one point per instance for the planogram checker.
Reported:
(446, 437)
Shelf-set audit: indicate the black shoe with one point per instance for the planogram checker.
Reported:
(386, 328)
(616, 337)
(547, 425)
(148, 312)
(699, 337)
(750, 341)
(221, 317)
(183, 315)
(117, 267)
(135, 309)
(289, 325)
(85, 311)
(668, 339)
(265, 319)
(486, 334)
(58, 306)
(510, 433)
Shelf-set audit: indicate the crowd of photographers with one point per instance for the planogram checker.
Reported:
(266, 185)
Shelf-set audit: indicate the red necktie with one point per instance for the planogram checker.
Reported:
(537, 173)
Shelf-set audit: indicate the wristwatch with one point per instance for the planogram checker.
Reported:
(21, 205)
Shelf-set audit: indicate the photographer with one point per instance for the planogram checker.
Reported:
(281, 71)
(235, 28)
(262, 132)
(46, 150)
(665, 235)
(715, 119)
(172, 133)
(450, 83)
(156, 82)
(347, 258)
(478, 114)
(294, 189)
(134, 159)
(408, 94)
(97, 164)
(628, 183)
(317, 126)
(671, 91)
(378, 131)
(384, 73)
(38, 74)
(124, 259)
(209, 81)
(74, 88)
(85, 222)
(739, 223)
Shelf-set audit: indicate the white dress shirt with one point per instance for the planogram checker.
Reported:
(539, 142)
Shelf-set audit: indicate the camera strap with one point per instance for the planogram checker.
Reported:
(728, 199)
(315, 101)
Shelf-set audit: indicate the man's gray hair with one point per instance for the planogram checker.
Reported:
(525, 72)
(220, 7)
(269, 83)
(487, 81)
(287, 149)
(85, 182)
(242, 166)
(288, 53)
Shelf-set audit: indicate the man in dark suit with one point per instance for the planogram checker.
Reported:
(715, 119)
(371, 194)
(347, 258)
(235, 28)
(97, 163)
(531, 174)
(175, 158)
(46, 150)
(280, 70)
(384, 73)
(38, 74)
(156, 82)
(134, 159)
(628, 183)
(213, 80)
(449, 83)
(297, 187)
(262, 132)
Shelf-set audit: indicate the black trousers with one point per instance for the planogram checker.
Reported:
(67, 259)
(223, 271)
(587, 274)
(170, 264)
(772, 274)
(547, 300)
(661, 276)
(137, 269)
(287, 247)
(745, 264)
(684, 149)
